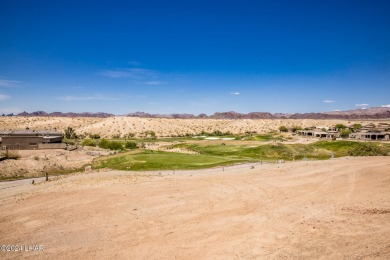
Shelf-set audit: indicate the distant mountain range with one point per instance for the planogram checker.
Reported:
(369, 113)
(69, 114)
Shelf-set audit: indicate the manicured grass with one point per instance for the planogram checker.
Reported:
(267, 137)
(157, 160)
(318, 150)
(218, 155)
(268, 152)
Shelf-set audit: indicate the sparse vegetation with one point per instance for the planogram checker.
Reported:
(366, 149)
(69, 133)
(296, 128)
(130, 135)
(131, 145)
(149, 135)
(11, 155)
(116, 136)
(283, 128)
(94, 136)
(215, 133)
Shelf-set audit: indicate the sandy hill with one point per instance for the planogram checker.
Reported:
(122, 125)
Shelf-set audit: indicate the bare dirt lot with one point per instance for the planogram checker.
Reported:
(330, 209)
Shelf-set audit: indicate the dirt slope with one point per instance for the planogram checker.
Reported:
(331, 209)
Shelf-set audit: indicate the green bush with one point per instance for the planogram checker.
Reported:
(70, 133)
(283, 128)
(110, 145)
(115, 146)
(345, 132)
(340, 126)
(116, 136)
(130, 145)
(89, 142)
(130, 135)
(296, 128)
(356, 126)
(94, 136)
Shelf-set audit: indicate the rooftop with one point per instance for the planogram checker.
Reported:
(30, 132)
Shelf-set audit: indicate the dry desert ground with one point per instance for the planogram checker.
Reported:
(122, 125)
(33, 163)
(333, 209)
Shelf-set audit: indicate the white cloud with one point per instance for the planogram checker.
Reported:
(4, 97)
(386, 105)
(85, 98)
(361, 105)
(336, 110)
(235, 93)
(135, 73)
(9, 83)
(329, 101)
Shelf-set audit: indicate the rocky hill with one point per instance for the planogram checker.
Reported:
(369, 113)
(69, 114)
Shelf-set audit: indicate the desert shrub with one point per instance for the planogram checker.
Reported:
(366, 150)
(215, 133)
(110, 145)
(103, 144)
(283, 128)
(150, 134)
(296, 128)
(116, 136)
(89, 142)
(115, 146)
(130, 145)
(70, 133)
(10, 155)
(130, 135)
(94, 136)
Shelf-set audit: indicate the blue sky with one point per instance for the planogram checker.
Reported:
(194, 56)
